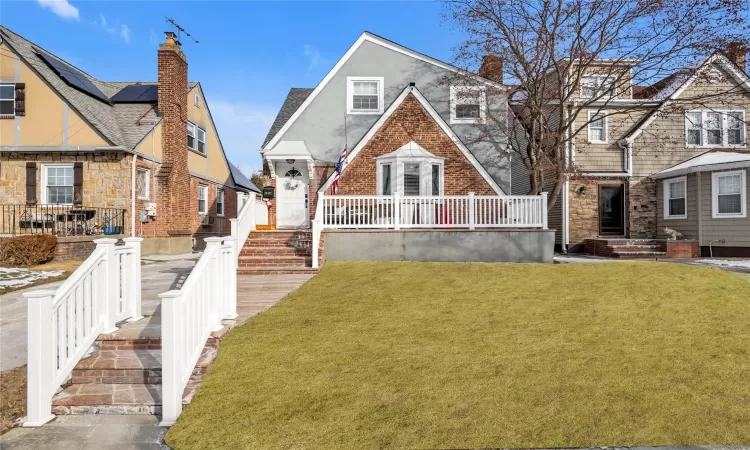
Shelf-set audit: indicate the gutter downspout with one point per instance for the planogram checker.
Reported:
(132, 197)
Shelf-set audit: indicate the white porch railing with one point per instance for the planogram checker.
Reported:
(190, 314)
(254, 212)
(64, 323)
(397, 212)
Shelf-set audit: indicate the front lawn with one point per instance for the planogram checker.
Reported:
(412, 355)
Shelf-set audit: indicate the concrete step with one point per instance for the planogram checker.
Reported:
(271, 270)
(639, 254)
(636, 248)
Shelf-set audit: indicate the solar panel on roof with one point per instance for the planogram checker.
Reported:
(73, 77)
(137, 93)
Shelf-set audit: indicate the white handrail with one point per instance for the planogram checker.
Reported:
(190, 314)
(64, 323)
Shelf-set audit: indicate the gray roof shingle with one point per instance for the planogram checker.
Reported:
(293, 101)
(241, 180)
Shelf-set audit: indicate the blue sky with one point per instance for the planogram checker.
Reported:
(249, 55)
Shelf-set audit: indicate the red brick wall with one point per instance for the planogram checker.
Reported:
(74, 251)
(683, 249)
(268, 180)
(221, 225)
(173, 176)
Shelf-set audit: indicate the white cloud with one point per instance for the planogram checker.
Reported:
(125, 32)
(61, 8)
(313, 57)
(242, 128)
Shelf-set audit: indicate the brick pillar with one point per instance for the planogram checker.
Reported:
(173, 178)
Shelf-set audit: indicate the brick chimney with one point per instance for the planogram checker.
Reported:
(174, 193)
(737, 52)
(492, 68)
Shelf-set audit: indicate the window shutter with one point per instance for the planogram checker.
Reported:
(77, 183)
(20, 99)
(31, 183)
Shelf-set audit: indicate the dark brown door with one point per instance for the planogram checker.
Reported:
(612, 210)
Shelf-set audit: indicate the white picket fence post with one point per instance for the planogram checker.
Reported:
(229, 275)
(39, 368)
(472, 211)
(544, 209)
(396, 211)
(172, 321)
(134, 278)
(217, 289)
(109, 287)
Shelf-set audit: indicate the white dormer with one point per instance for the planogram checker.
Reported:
(411, 171)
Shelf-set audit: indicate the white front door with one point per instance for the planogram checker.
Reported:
(292, 193)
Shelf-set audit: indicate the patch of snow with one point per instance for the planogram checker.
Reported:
(725, 262)
(15, 277)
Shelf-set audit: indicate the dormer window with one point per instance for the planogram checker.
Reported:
(468, 104)
(364, 95)
(596, 86)
(411, 171)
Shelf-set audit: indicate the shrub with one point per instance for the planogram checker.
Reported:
(27, 250)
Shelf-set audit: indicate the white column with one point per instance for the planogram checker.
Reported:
(252, 212)
(396, 211)
(217, 289)
(544, 209)
(237, 245)
(108, 297)
(39, 369)
(472, 211)
(171, 363)
(134, 278)
(230, 278)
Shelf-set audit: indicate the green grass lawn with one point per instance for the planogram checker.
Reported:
(413, 355)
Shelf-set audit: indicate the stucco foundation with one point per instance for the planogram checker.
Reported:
(510, 245)
(174, 245)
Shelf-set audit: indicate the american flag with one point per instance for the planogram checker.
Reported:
(339, 169)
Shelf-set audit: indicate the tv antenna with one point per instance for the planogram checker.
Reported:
(181, 30)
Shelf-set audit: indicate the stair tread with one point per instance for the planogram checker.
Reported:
(109, 394)
(121, 360)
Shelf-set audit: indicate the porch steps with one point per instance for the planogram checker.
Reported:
(627, 248)
(123, 376)
(271, 252)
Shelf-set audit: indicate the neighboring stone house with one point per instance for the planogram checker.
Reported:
(411, 124)
(636, 132)
(75, 148)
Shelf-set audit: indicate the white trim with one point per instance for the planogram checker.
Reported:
(140, 170)
(350, 96)
(715, 194)
(203, 188)
(223, 202)
(454, 101)
(368, 37)
(43, 183)
(667, 197)
(604, 126)
(436, 117)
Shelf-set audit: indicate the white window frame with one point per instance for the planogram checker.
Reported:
(197, 101)
(197, 128)
(350, 95)
(148, 182)
(724, 129)
(715, 194)
(456, 99)
(598, 93)
(203, 189)
(604, 125)
(220, 195)
(667, 197)
(45, 168)
(379, 183)
(7, 99)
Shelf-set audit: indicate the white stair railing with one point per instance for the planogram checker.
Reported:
(254, 212)
(190, 314)
(64, 323)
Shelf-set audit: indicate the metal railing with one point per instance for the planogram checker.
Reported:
(61, 220)
(64, 323)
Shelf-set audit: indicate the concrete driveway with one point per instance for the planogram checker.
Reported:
(159, 274)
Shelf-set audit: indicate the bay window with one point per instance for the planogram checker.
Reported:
(715, 128)
(410, 171)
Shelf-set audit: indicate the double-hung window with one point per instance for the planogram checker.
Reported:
(57, 186)
(220, 202)
(468, 104)
(595, 86)
(364, 95)
(7, 99)
(202, 199)
(675, 198)
(142, 184)
(385, 179)
(196, 138)
(597, 127)
(729, 194)
(715, 128)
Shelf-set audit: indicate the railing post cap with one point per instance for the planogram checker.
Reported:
(132, 239)
(171, 294)
(211, 239)
(39, 293)
(105, 241)
(229, 238)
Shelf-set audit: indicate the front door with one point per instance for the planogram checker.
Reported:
(292, 195)
(612, 210)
